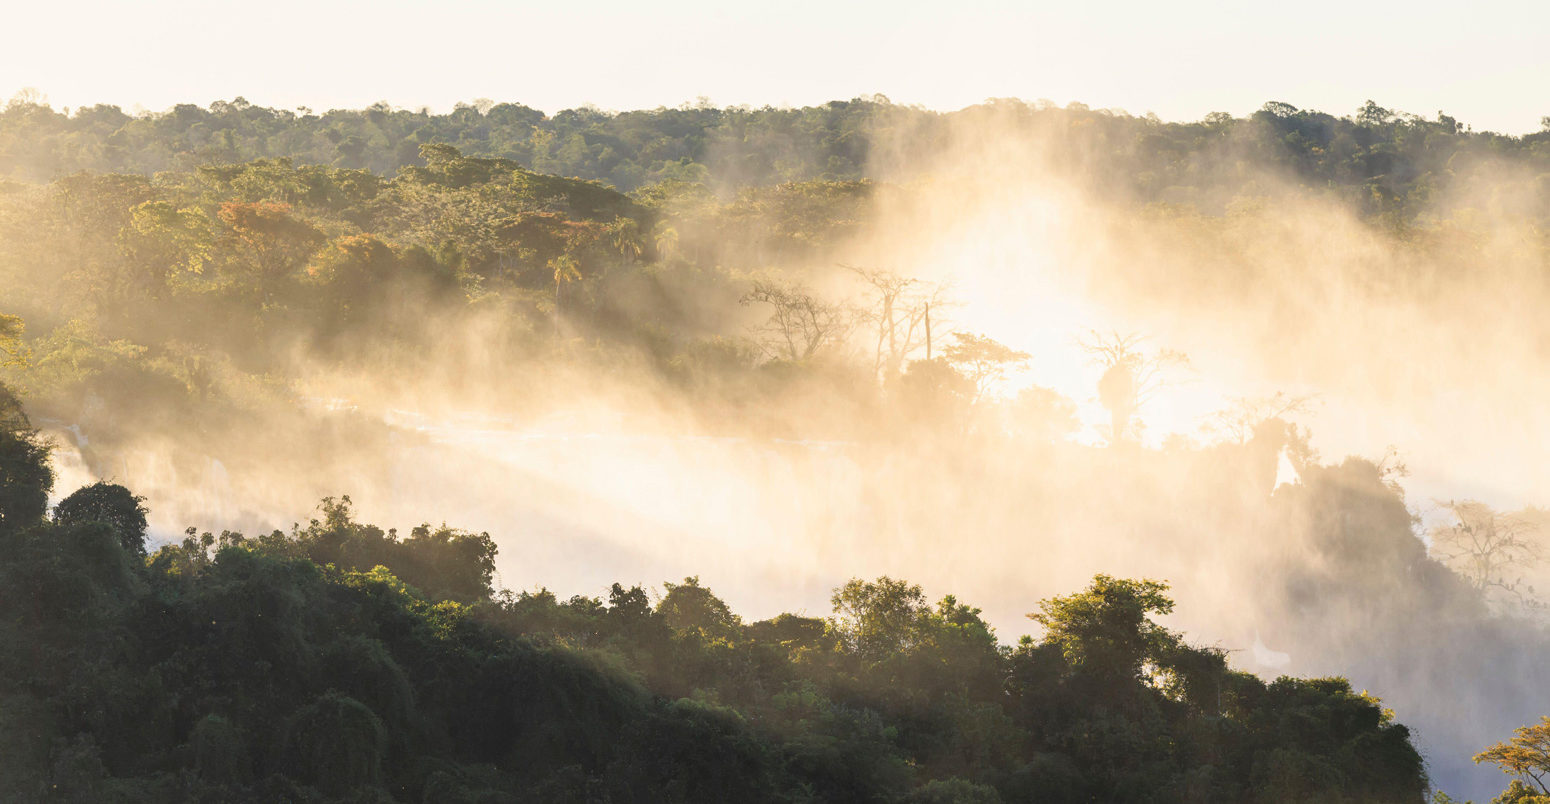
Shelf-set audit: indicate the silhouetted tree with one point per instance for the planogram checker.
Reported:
(1131, 376)
(110, 504)
(800, 324)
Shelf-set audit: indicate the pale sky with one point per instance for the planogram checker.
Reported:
(1485, 63)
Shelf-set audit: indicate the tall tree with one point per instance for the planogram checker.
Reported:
(899, 309)
(1131, 377)
(268, 243)
(875, 619)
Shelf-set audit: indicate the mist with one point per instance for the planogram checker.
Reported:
(1297, 541)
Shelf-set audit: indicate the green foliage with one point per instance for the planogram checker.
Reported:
(1107, 629)
(280, 667)
(1387, 163)
(691, 608)
(221, 755)
(335, 744)
(877, 620)
(25, 475)
(10, 339)
(953, 791)
(166, 248)
(344, 661)
(1520, 792)
(110, 504)
(443, 563)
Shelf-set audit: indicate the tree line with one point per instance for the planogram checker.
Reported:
(171, 303)
(1387, 163)
(342, 662)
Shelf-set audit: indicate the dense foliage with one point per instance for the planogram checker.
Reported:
(1390, 162)
(181, 276)
(339, 662)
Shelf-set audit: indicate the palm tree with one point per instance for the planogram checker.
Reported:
(625, 238)
(566, 270)
(667, 241)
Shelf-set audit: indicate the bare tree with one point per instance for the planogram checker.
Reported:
(1131, 377)
(1393, 470)
(899, 311)
(1245, 414)
(800, 323)
(1488, 549)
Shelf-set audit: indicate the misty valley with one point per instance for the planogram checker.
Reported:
(844, 453)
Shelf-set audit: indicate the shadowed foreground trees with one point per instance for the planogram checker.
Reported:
(339, 662)
(25, 476)
(108, 504)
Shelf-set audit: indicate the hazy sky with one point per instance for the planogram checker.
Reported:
(1484, 63)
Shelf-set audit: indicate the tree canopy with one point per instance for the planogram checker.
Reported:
(337, 662)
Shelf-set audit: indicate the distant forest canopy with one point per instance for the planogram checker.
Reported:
(1386, 162)
(199, 300)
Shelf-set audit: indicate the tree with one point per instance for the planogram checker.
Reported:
(165, 246)
(268, 243)
(1488, 549)
(982, 360)
(109, 504)
(564, 269)
(900, 308)
(666, 241)
(335, 743)
(689, 607)
(447, 563)
(12, 418)
(876, 619)
(1240, 419)
(1131, 376)
(624, 237)
(933, 391)
(1371, 114)
(1527, 755)
(630, 612)
(447, 166)
(1106, 629)
(800, 323)
(352, 270)
(442, 563)
(25, 475)
(11, 350)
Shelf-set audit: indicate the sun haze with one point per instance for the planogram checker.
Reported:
(1180, 60)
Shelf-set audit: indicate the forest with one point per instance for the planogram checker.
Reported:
(1390, 163)
(577, 332)
(340, 662)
